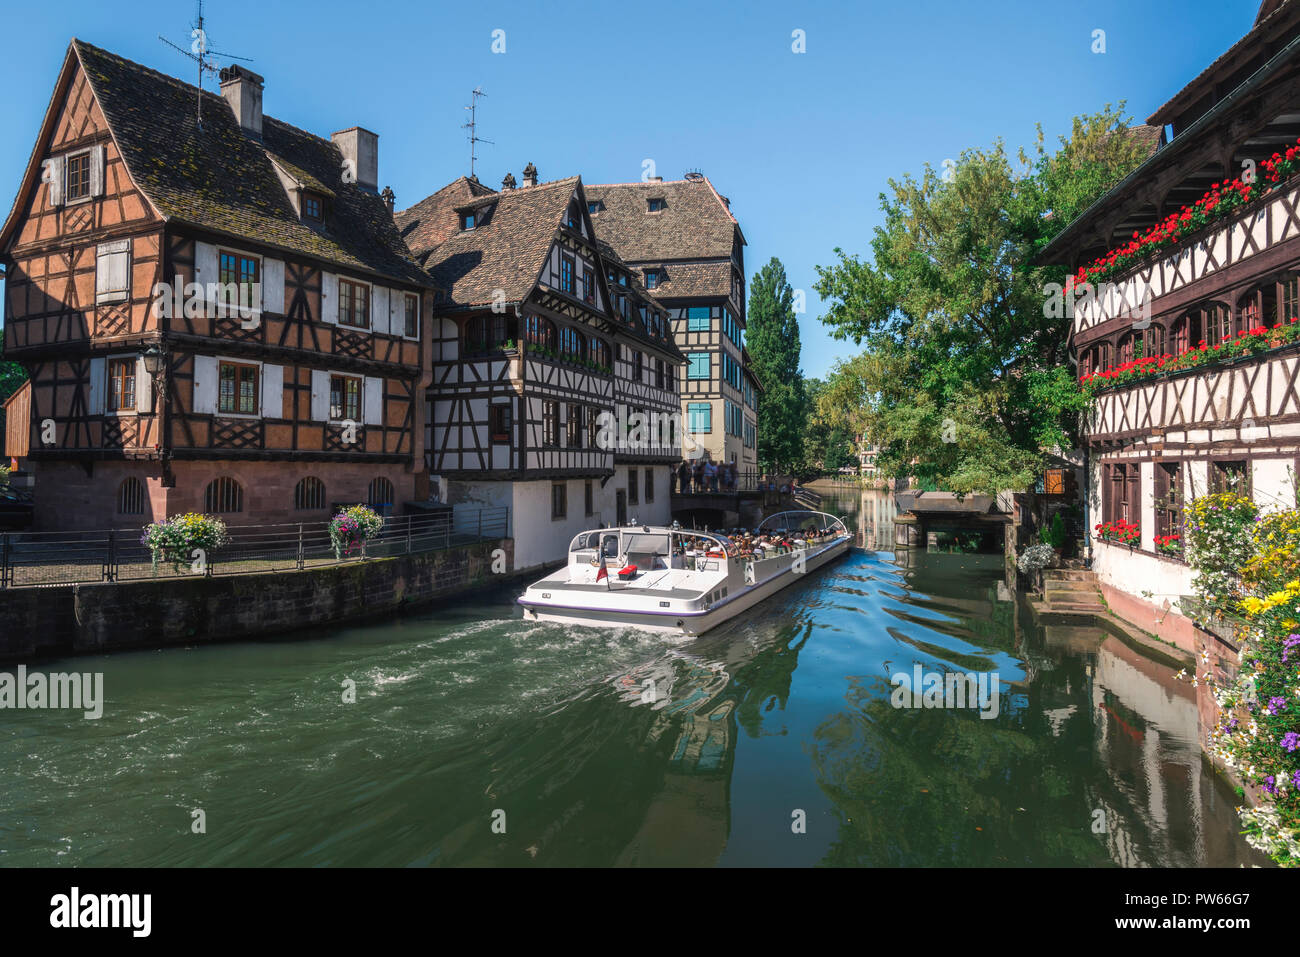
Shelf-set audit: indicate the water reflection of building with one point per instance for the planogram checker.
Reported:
(1160, 803)
(701, 702)
(874, 529)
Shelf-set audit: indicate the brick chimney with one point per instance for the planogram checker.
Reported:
(508, 182)
(242, 89)
(530, 175)
(361, 147)
(389, 197)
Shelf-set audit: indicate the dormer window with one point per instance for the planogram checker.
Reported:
(467, 221)
(595, 207)
(651, 279)
(655, 205)
(313, 208)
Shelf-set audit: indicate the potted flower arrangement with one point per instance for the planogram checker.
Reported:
(1169, 544)
(1244, 345)
(351, 528)
(183, 538)
(1034, 559)
(1120, 532)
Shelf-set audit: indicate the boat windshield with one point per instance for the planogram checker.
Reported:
(643, 543)
(585, 540)
(597, 540)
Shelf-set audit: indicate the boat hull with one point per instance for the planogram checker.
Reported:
(683, 623)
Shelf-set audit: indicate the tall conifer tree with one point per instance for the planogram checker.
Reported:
(772, 338)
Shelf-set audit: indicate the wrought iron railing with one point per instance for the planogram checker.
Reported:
(64, 558)
(745, 480)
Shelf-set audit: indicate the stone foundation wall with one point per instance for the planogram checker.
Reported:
(113, 616)
(67, 499)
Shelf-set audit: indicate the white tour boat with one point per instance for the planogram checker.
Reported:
(682, 580)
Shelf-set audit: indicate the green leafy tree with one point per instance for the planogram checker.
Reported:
(827, 445)
(772, 338)
(966, 380)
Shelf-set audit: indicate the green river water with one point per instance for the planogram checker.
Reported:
(478, 739)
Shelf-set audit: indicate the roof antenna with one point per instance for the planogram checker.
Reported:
(198, 52)
(473, 112)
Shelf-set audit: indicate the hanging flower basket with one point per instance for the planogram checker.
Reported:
(351, 528)
(183, 539)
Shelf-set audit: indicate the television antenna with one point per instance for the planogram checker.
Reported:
(474, 139)
(200, 54)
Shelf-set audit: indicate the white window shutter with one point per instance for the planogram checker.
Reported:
(379, 309)
(113, 271)
(143, 387)
(207, 270)
(272, 391)
(320, 395)
(95, 401)
(397, 312)
(97, 171)
(373, 408)
(329, 297)
(273, 286)
(54, 170)
(205, 385)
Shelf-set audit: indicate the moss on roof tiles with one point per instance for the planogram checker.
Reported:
(694, 223)
(304, 178)
(215, 177)
(503, 254)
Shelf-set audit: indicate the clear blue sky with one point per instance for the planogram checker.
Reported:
(801, 143)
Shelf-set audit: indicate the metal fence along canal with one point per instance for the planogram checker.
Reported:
(62, 558)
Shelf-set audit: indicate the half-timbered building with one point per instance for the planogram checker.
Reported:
(650, 436)
(1161, 436)
(216, 310)
(536, 364)
(688, 247)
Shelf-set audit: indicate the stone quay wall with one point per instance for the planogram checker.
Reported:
(101, 617)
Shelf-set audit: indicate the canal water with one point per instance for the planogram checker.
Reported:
(478, 739)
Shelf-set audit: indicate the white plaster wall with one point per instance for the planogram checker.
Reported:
(1273, 483)
(1143, 576)
(1199, 473)
(538, 539)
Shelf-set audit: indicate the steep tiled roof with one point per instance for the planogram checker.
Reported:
(217, 178)
(1148, 137)
(1267, 22)
(687, 280)
(695, 223)
(432, 221)
(637, 328)
(504, 252)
